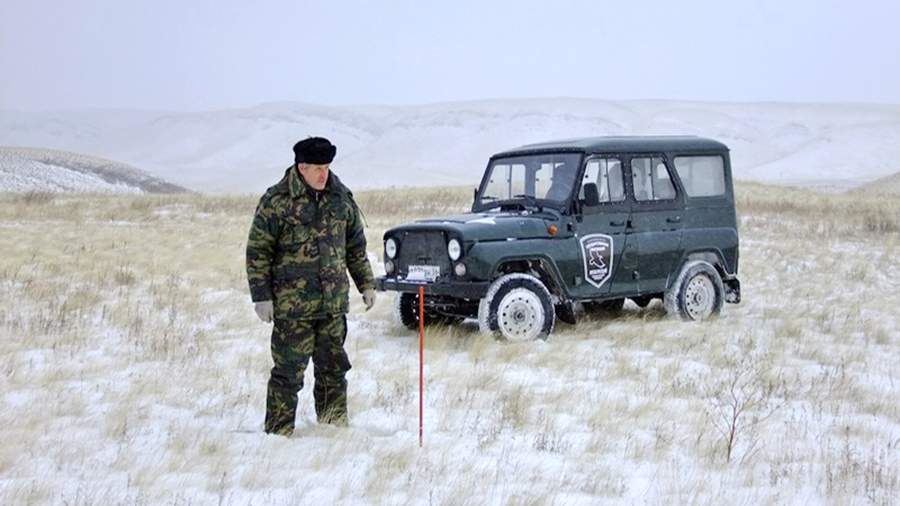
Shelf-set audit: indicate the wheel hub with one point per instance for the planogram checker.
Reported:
(520, 315)
(699, 297)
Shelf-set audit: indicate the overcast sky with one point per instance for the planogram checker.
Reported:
(191, 55)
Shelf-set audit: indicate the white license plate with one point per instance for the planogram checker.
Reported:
(423, 273)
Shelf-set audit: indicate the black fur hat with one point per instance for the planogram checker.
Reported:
(314, 150)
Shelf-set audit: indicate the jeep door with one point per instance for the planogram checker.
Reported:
(656, 220)
(602, 208)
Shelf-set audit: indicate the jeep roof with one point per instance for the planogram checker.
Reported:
(629, 144)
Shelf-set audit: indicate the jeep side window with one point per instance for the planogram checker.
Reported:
(606, 173)
(651, 180)
(702, 176)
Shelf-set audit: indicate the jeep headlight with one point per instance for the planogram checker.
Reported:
(390, 248)
(454, 249)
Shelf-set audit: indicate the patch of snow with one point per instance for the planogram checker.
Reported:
(23, 175)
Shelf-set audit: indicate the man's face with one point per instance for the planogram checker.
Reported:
(315, 175)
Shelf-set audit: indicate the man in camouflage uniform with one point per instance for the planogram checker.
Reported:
(305, 236)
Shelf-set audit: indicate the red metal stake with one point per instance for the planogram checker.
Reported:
(421, 357)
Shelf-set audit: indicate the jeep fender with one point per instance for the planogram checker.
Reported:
(713, 256)
(543, 265)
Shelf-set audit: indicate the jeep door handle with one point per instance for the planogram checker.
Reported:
(617, 223)
(674, 219)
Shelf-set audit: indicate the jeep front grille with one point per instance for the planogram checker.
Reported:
(422, 248)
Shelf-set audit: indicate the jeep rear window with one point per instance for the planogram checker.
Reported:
(702, 176)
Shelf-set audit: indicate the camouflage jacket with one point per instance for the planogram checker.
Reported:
(300, 248)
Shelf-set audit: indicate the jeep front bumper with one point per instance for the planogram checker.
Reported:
(460, 289)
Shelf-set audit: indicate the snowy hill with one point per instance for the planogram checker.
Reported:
(887, 186)
(31, 169)
(244, 150)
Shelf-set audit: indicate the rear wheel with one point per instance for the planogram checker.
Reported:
(697, 294)
(517, 307)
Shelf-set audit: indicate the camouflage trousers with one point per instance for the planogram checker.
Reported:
(293, 343)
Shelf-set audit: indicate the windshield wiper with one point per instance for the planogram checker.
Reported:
(529, 200)
(515, 200)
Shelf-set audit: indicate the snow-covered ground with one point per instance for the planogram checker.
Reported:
(244, 150)
(133, 370)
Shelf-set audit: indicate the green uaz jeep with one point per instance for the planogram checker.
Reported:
(583, 223)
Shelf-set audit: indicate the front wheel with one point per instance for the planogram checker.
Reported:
(517, 307)
(697, 294)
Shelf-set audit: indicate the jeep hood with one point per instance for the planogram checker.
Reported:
(489, 226)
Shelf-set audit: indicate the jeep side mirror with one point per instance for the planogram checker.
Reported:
(591, 195)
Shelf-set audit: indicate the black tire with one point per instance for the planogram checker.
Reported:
(697, 294)
(517, 307)
(612, 307)
(406, 310)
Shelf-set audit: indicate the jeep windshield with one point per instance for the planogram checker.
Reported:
(529, 181)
